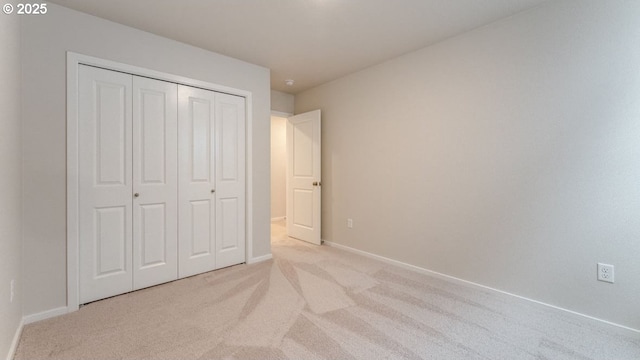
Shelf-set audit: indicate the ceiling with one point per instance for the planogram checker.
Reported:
(309, 41)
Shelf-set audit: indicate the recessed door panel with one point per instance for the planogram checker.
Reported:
(303, 150)
(110, 241)
(196, 108)
(303, 199)
(229, 142)
(200, 228)
(155, 182)
(154, 117)
(229, 224)
(154, 242)
(105, 186)
(111, 124)
(200, 116)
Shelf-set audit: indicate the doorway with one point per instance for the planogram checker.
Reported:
(278, 168)
(296, 174)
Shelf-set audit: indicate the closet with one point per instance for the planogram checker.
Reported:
(161, 170)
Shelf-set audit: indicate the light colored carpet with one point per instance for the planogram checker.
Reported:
(317, 302)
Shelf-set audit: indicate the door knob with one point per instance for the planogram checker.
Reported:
(136, 195)
(315, 183)
(213, 190)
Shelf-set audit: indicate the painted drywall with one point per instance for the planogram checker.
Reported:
(10, 182)
(278, 167)
(282, 102)
(45, 42)
(507, 156)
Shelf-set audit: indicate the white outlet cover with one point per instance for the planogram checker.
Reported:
(605, 273)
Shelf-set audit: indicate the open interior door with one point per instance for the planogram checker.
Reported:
(303, 177)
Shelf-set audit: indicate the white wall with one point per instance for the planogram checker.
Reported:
(10, 181)
(278, 167)
(282, 102)
(508, 156)
(45, 41)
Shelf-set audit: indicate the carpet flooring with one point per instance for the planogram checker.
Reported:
(318, 302)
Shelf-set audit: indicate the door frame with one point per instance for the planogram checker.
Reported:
(74, 60)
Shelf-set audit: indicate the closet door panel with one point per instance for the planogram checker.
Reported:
(155, 182)
(196, 130)
(105, 187)
(230, 180)
(229, 221)
(153, 243)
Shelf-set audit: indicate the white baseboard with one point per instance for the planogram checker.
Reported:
(45, 315)
(449, 277)
(16, 340)
(260, 259)
(278, 218)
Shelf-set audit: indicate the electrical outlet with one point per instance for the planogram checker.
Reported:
(13, 288)
(350, 223)
(605, 272)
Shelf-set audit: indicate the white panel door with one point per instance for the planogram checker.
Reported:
(230, 180)
(155, 182)
(196, 177)
(105, 188)
(303, 177)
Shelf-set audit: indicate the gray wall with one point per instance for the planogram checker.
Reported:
(508, 156)
(282, 102)
(45, 41)
(10, 181)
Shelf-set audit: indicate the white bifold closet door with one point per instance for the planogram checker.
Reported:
(127, 182)
(230, 180)
(105, 183)
(155, 182)
(197, 217)
(161, 174)
(211, 177)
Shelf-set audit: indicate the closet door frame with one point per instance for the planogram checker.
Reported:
(74, 60)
